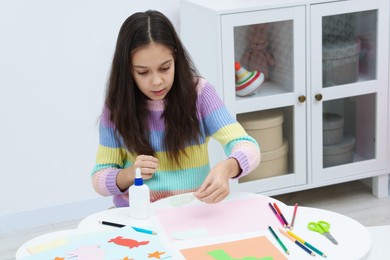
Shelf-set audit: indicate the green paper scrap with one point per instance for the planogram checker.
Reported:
(222, 255)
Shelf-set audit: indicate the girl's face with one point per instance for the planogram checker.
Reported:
(153, 70)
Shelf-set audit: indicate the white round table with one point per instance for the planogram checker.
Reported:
(354, 239)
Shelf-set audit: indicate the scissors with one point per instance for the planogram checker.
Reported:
(322, 227)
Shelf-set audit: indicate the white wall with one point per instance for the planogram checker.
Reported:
(55, 56)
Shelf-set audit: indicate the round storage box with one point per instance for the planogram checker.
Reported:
(273, 163)
(264, 126)
(340, 153)
(340, 60)
(333, 128)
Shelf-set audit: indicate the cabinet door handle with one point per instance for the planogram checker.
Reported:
(302, 98)
(318, 97)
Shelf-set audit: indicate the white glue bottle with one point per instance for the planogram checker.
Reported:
(139, 198)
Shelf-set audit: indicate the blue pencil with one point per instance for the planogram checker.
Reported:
(142, 230)
(304, 248)
(296, 242)
(306, 243)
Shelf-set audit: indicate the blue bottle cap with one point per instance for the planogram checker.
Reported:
(138, 181)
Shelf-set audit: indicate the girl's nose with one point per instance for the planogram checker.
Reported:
(157, 80)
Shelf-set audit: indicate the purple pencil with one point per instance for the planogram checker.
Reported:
(277, 215)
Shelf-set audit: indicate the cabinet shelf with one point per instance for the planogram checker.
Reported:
(266, 89)
(271, 95)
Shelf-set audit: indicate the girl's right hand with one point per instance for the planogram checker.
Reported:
(147, 164)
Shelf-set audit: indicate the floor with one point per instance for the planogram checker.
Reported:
(353, 199)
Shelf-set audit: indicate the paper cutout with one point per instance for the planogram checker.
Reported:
(122, 243)
(245, 249)
(127, 242)
(156, 255)
(224, 218)
(180, 200)
(59, 242)
(190, 234)
(46, 246)
(185, 198)
(88, 252)
(222, 255)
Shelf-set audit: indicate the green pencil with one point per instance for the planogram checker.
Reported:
(278, 239)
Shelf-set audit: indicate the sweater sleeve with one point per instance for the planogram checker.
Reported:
(221, 125)
(110, 158)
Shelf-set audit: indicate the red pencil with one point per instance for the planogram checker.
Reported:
(294, 214)
(281, 214)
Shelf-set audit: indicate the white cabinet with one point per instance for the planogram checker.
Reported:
(328, 75)
(363, 103)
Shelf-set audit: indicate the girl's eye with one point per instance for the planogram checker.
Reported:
(165, 68)
(142, 72)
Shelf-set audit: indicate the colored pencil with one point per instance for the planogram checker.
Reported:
(306, 243)
(293, 217)
(112, 224)
(296, 242)
(278, 239)
(276, 214)
(142, 230)
(280, 214)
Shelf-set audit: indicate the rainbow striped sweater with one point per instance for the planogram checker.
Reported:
(215, 122)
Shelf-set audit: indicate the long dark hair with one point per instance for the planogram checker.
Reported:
(127, 103)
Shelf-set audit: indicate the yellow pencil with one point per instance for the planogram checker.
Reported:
(306, 243)
(296, 242)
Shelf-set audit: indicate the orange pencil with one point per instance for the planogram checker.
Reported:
(276, 214)
(296, 242)
(280, 214)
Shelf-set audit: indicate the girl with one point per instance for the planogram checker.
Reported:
(159, 116)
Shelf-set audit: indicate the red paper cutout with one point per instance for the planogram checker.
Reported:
(127, 242)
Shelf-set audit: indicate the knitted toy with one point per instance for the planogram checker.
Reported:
(247, 82)
(257, 55)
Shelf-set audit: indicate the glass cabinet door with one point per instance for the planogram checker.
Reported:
(348, 88)
(264, 86)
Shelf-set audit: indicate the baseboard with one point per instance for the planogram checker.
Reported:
(51, 215)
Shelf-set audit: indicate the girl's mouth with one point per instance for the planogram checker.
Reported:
(159, 93)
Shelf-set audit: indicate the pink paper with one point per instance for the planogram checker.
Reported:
(225, 218)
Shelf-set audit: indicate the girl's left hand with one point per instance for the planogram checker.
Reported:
(216, 185)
